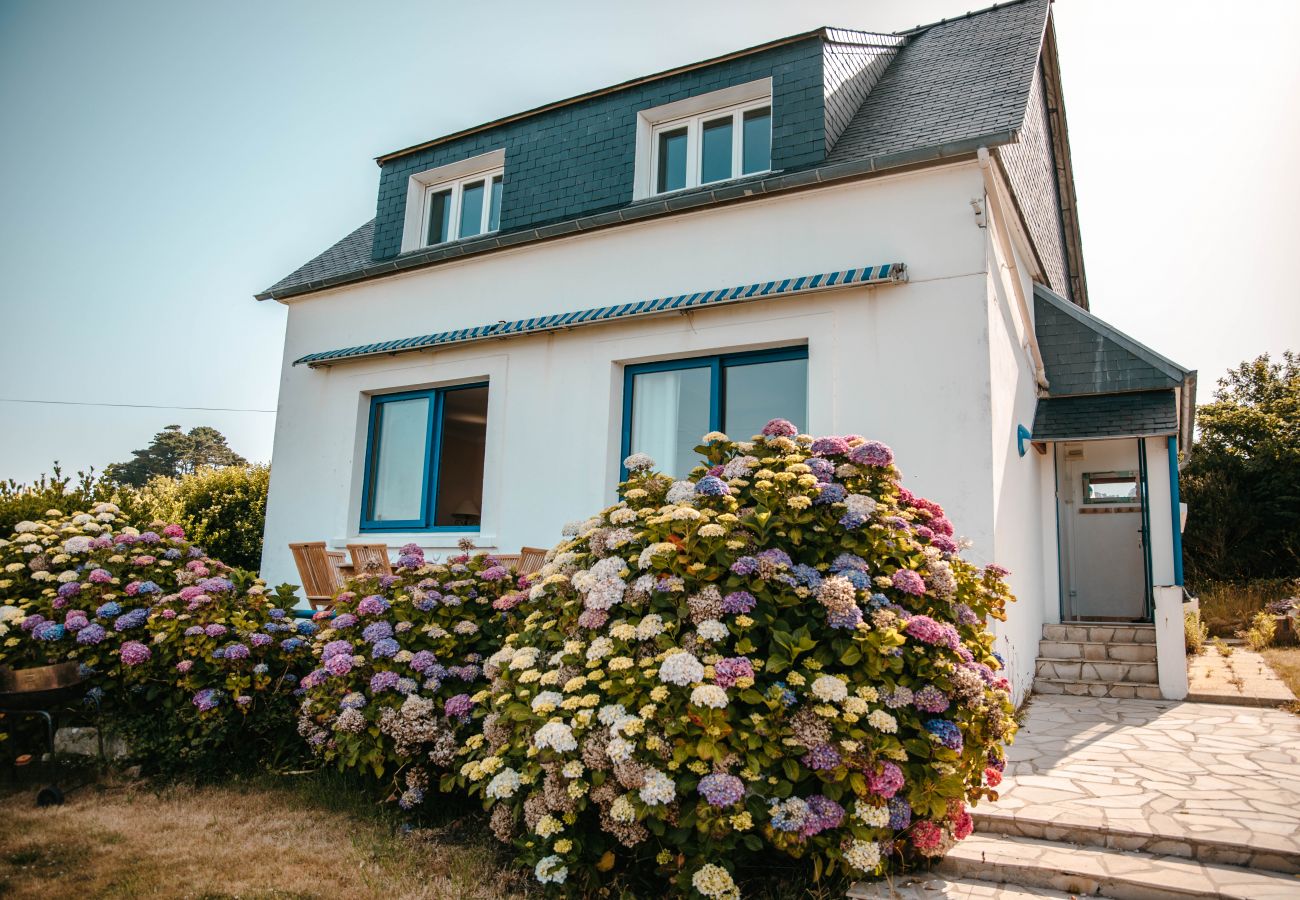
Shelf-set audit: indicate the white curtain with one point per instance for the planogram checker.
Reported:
(655, 414)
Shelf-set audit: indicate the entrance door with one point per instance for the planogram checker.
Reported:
(1101, 496)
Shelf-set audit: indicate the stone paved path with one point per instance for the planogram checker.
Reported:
(1242, 678)
(1156, 776)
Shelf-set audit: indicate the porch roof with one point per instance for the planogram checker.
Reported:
(681, 303)
(1096, 416)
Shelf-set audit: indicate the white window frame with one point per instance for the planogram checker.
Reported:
(457, 189)
(692, 113)
(454, 176)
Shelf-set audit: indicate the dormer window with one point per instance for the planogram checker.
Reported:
(463, 208)
(455, 201)
(705, 139)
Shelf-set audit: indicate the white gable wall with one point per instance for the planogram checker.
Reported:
(908, 364)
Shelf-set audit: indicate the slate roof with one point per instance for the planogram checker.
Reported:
(952, 81)
(1084, 355)
(1094, 416)
(955, 86)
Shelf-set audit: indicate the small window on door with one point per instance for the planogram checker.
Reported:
(1113, 488)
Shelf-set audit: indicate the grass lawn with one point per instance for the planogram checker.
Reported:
(261, 838)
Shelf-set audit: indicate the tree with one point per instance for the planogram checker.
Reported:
(173, 453)
(1242, 481)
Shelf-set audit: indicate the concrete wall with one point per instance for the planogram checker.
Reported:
(933, 367)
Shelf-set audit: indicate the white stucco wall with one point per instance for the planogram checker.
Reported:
(908, 364)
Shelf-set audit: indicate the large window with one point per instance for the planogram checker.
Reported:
(669, 406)
(462, 208)
(714, 146)
(424, 460)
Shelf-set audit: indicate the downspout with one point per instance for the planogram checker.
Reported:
(997, 216)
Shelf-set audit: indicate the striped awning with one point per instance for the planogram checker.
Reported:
(804, 284)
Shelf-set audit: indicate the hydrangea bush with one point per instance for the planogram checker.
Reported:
(399, 667)
(783, 654)
(192, 659)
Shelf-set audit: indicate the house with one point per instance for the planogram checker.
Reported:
(864, 233)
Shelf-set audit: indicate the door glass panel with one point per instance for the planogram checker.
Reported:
(494, 210)
(672, 160)
(758, 141)
(439, 216)
(670, 413)
(471, 210)
(1111, 487)
(715, 156)
(401, 447)
(460, 460)
(757, 393)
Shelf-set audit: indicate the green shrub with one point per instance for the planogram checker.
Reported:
(30, 501)
(1194, 632)
(401, 666)
(1263, 628)
(782, 656)
(223, 510)
(152, 622)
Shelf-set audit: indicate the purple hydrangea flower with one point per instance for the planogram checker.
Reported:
(372, 605)
(821, 758)
(909, 582)
(76, 620)
(91, 634)
(344, 620)
(780, 428)
(384, 649)
(133, 619)
(720, 789)
(738, 602)
(457, 706)
(216, 585)
(134, 653)
(712, 486)
(930, 699)
(257, 639)
(888, 781)
(948, 733)
(423, 660)
(336, 648)
(207, 699)
(99, 576)
(215, 630)
(236, 651)
(69, 589)
(184, 666)
(494, 573)
(872, 453)
(728, 671)
(49, 631)
(822, 469)
(900, 813)
(383, 681)
(830, 446)
(340, 664)
(823, 814)
(830, 493)
(376, 631)
(845, 619)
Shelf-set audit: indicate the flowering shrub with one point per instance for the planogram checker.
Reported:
(400, 666)
(783, 653)
(188, 656)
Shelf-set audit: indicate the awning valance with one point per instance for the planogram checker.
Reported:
(804, 284)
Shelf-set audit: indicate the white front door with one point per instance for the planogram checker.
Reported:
(1100, 489)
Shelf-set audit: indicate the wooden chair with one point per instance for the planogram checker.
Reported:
(531, 559)
(370, 559)
(509, 560)
(318, 569)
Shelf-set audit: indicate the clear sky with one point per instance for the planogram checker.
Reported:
(161, 161)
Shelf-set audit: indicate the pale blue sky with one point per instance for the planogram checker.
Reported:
(162, 161)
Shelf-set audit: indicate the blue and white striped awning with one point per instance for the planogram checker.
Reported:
(804, 284)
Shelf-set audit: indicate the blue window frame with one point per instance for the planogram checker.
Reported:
(668, 406)
(424, 460)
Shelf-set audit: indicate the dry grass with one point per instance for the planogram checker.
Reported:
(255, 840)
(1227, 608)
(1285, 661)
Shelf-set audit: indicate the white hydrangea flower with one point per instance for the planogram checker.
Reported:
(78, 544)
(712, 630)
(622, 810)
(611, 713)
(551, 870)
(863, 855)
(658, 789)
(715, 882)
(649, 553)
(600, 648)
(650, 627)
(860, 505)
(829, 689)
(25, 527)
(622, 516)
(871, 816)
(546, 702)
(680, 492)
(503, 784)
(619, 750)
(883, 722)
(556, 736)
(709, 695)
(639, 462)
(681, 669)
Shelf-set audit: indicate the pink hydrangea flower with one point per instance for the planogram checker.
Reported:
(909, 582)
(134, 653)
(780, 428)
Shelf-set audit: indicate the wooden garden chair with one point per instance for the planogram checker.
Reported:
(370, 559)
(531, 559)
(318, 569)
(509, 560)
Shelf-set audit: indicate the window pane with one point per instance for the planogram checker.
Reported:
(1111, 487)
(760, 392)
(460, 464)
(715, 158)
(494, 211)
(670, 413)
(439, 216)
(672, 160)
(398, 458)
(758, 140)
(471, 210)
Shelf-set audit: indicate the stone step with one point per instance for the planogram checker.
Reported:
(1117, 690)
(1089, 670)
(1097, 650)
(924, 885)
(1092, 871)
(1117, 633)
(1264, 851)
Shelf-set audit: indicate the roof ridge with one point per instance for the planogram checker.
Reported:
(1106, 330)
(969, 14)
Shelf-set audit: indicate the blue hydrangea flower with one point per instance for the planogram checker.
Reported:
(133, 619)
(307, 627)
(108, 610)
(384, 648)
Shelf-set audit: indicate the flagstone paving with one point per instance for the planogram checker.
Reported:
(1216, 783)
(1243, 678)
